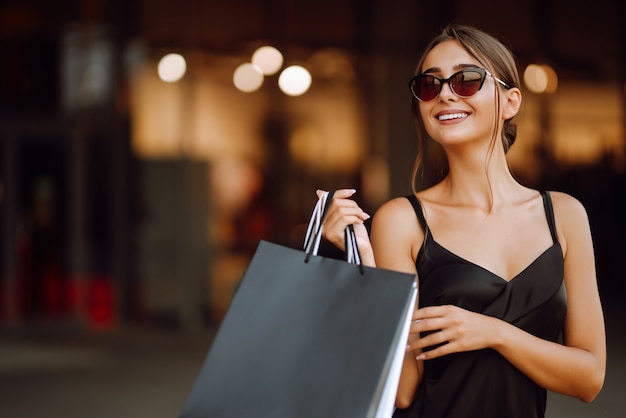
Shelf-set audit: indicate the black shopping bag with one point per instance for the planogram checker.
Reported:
(307, 336)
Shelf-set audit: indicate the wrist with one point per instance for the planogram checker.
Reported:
(501, 335)
(367, 256)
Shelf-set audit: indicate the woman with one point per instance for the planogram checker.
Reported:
(508, 300)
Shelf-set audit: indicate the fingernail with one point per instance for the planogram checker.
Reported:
(420, 357)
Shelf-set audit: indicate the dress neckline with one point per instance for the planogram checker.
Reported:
(431, 239)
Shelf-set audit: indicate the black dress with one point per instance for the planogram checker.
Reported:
(482, 383)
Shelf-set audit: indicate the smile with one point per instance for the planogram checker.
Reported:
(450, 116)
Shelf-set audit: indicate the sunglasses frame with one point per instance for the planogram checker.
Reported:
(483, 75)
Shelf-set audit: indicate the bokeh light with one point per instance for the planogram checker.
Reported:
(268, 59)
(540, 79)
(172, 67)
(294, 80)
(248, 78)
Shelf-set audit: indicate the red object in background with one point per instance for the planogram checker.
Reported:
(101, 303)
(94, 298)
(42, 291)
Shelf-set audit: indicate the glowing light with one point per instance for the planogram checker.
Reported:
(294, 80)
(268, 59)
(553, 80)
(248, 78)
(540, 79)
(171, 68)
(535, 78)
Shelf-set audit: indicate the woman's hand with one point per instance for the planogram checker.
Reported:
(343, 212)
(453, 330)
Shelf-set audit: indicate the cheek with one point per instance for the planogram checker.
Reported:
(424, 111)
(484, 108)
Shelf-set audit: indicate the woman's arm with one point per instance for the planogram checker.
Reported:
(395, 232)
(576, 368)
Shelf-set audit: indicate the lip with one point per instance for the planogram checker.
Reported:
(452, 116)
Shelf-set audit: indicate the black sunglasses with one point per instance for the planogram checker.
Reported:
(465, 83)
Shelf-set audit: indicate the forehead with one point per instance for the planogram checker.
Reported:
(447, 56)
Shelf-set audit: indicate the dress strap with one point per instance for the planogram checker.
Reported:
(417, 207)
(547, 204)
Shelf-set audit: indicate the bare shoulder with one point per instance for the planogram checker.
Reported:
(396, 235)
(568, 209)
(395, 213)
(572, 223)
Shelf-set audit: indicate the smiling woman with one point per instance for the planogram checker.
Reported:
(493, 330)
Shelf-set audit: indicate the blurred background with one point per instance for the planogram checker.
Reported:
(147, 146)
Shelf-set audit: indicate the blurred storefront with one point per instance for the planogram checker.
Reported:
(128, 194)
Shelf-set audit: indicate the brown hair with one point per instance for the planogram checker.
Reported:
(490, 53)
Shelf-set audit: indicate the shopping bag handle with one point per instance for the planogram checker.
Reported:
(314, 230)
(314, 233)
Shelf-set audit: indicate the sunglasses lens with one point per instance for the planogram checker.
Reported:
(426, 87)
(467, 83)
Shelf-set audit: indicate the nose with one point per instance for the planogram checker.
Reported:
(446, 92)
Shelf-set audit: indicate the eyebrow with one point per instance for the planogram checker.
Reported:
(457, 67)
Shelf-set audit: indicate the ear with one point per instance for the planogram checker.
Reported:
(513, 101)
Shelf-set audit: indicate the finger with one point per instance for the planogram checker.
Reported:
(416, 326)
(334, 230)
(346, 208)
(432, 312)
(426, 319)
(344, 193)
(431, 340)
(340, 193)
(435, 338)
(340, 221)
(431, 324)
(440, 351)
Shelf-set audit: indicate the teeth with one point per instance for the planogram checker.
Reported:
(453, 116)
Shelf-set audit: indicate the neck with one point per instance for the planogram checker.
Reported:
(479, 179)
